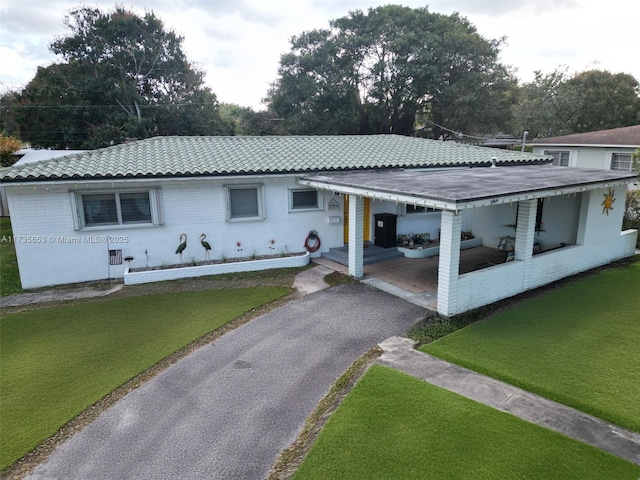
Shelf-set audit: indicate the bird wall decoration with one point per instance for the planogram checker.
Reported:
(206, 245)
(182, 245)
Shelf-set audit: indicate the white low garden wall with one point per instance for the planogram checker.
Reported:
(505, 280)
(433, 251)
(489, 285)
(148, 276)
(570, 260)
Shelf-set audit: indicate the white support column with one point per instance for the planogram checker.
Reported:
(449, 264)
(583, 218)
(356, 236)
(525, 236)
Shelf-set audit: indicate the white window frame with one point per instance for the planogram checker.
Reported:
(553, 153)
(319, 200)
(260, 198)
(621, 154)
(79, 221)
(409, 210)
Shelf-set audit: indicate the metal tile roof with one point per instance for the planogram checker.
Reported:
(161, 157)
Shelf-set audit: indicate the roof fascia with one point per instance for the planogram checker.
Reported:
(455, 206)
(578, 145)
(126, 180)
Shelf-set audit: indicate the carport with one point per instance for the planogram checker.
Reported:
(598, 239)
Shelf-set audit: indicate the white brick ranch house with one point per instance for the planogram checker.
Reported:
(73, 216)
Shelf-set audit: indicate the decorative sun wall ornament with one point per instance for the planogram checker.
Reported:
(607, 203)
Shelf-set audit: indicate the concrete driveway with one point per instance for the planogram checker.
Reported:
(227, 410)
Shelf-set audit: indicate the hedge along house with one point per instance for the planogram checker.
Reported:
(77, 218)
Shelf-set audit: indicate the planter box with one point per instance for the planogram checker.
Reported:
(433, 251)
(148, 276)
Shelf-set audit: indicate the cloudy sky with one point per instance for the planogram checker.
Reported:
(238, 43)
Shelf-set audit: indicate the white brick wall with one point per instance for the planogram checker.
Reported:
(195, 207)
(554, 265)
(190, 206)
(489, 285)
(600, 242)
(495, 283)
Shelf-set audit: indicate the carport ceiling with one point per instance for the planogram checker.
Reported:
(460, 188)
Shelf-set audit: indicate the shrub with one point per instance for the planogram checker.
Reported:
(631, 217)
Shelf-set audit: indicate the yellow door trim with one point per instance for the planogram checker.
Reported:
(367, 219)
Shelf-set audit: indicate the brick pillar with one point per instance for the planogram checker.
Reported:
(356, 236)
(449, 263)
(525, 236)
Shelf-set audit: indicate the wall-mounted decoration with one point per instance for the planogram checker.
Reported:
(607, 203)
(333, 204)
(115, 257)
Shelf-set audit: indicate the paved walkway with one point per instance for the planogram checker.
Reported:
(400, 354)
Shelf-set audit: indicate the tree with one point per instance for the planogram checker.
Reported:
(608, 101)
(8, 124)
(246, 121)
(631, 218)
(124, 76)
(546, 106)
(8, 146)
(64, 107)
(375, 72)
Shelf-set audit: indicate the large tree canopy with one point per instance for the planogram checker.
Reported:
(608, 100)
(556, 104)
(546, 107)
(375, 72)
(124, 76)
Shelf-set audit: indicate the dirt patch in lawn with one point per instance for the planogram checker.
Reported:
(94, 291)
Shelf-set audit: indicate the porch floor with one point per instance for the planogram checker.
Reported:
(416, 279)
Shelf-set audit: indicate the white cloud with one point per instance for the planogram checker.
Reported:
(238, 43)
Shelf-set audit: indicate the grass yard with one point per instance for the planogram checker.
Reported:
(9, 275)
(395, 426)
(55, 363)
(578, 345)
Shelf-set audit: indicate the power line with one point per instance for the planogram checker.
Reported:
(157, 105)
(457, 134)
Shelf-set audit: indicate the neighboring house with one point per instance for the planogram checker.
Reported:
(73, 215)
(29, 155)
(604, 149)
(502, 140)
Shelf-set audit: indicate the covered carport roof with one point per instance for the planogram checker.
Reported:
(462, 188)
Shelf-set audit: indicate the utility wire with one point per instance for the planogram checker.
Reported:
(458, 134)
(157, 105)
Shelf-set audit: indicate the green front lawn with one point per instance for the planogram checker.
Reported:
(9, 275)
(55, 363)
(578, 345)
(395, 426)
